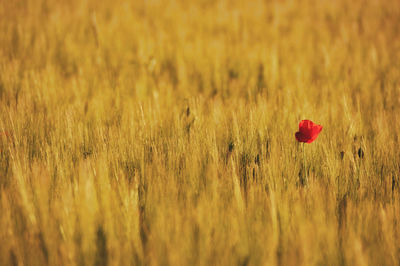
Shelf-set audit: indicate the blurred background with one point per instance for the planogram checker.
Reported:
(162, 132)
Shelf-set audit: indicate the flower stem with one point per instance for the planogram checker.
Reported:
(304, 168)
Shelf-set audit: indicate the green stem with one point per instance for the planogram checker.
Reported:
(304, 167)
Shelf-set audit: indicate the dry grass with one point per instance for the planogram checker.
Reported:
(162, 132)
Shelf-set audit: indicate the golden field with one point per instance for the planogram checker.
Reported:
(149, 132)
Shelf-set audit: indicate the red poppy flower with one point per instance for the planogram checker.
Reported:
(308, 131)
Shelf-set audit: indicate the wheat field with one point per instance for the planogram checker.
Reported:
(149, 132)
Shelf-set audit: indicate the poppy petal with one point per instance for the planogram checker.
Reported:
(301, 137)
(314, 132)
(308, 131)
(305, 127)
